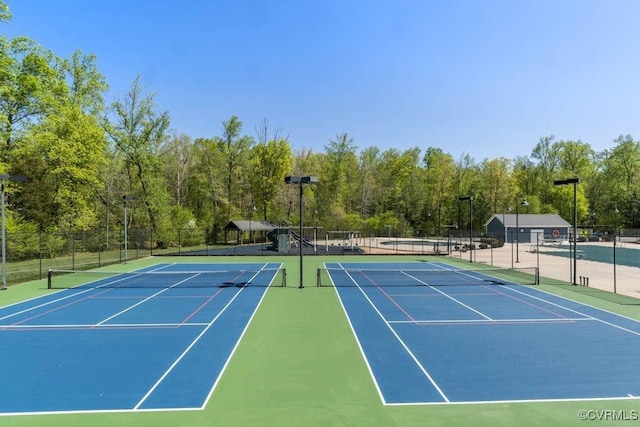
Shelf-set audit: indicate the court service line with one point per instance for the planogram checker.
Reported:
(495, 321)
(631, 331)
(400, 340)
(65, 327)
(131, 307)
(448, 296)
(212, 297)
(184, 353)
(190, 346)
(622, 328)
(529, 303)
(358, 343)
(235, 347)
(17, 313)
(385, 293)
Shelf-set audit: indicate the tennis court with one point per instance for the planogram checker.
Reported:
(153, 339)
(432, 333)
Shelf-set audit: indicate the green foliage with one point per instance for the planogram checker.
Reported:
(31, 85)
(5, 13)
(270, 162)
(69, 146)
(180, 228)
(137, 131)
(382, 224)
(22, 239)
(80, 163)
(53, 244)
(235, 150)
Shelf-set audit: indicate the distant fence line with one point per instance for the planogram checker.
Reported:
(30, 255)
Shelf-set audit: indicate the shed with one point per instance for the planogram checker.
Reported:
(527, 228)
(242, 225)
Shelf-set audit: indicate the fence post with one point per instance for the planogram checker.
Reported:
(40, 254)
(73, 251)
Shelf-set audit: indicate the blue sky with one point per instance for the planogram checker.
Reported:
(487, 78)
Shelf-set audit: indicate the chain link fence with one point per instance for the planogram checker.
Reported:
(29, 256)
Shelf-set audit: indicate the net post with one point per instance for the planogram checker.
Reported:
(318, 284)
(537, 274)
(49, 276)
(284, 277)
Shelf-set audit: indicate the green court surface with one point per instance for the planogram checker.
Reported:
(299, 365)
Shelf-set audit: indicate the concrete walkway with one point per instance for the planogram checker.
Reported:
(600, 275)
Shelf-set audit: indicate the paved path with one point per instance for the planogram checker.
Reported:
(599, 274)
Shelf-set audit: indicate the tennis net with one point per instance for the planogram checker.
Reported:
(339, 277)
(266, 277)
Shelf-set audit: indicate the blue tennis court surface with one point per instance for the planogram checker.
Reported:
(465, 337)
(132, 344)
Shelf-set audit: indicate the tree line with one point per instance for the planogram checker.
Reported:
(82, 153)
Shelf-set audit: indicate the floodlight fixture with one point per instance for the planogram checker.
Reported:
(575, 181)
(300, 181)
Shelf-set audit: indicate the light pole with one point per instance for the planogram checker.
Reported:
(3, 178)
(449, 243)
(388, 227)
(504, 223)
(125, 199)
(615, 236)
(524, 203)
(470, 199)
(300, 181)
(575, 182)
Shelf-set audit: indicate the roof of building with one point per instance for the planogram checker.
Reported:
(245, 225)
(529, 220)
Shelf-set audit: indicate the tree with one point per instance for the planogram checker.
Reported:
(269, 164)
(577, 159)
(369, 164)
(63, 158)
(439, 180)
(5, 13)
(177, 156)
(235, 151)
(495, 183)
(621, 171)
(397, 179)
(207, 186)
(86, 83)
(137, 131)
(341, 158)
(548, 156)
(31, 84)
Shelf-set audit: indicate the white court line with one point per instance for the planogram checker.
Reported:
(137, 409)
(193, 343)
(402, 343)
(578, 312)
(17, 313)
(353, 331)
(226, 363)
(448, 296)
(503, 402)
(103, 326)
(498, 321)
(145, 300)
(512, 289)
